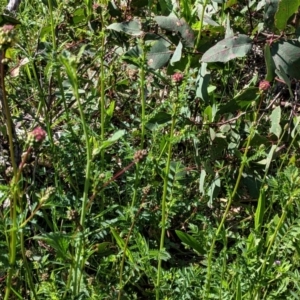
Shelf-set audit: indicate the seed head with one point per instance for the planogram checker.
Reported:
(139, 155)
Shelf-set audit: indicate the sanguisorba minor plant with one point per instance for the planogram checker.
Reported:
(168, 169)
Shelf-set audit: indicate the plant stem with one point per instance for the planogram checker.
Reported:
(7, 116)
(124, 251)
(79, 248)
(142, 82)
(237, 183)
(102, 110)
(14, 185)
(164, 198)
(79, 255)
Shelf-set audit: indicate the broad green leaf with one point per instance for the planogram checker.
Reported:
(201, 182)
(78, 16)
(158, 55)
(228, 49)
(214, 188)
(212, 134)
(270, 11)
(287, 55)
(282, 75)
(208, 115)
(69, 62)
(177, 54)
(270, 66)
(4, 19)
(132, 55)
(207, 20)
(229, 31)
(269, 158)
(110, 109)
(173, 23)
(296, 129)
(275, 121)
(190, 241)
(260, 4)
(246, 96)
(286, 8)
(132, 28)
(260, 210)
(159, 119)
(202, 83)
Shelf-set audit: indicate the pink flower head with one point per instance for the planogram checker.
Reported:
(264, 85)
(37, 135)
(7, 27)
(177, 77)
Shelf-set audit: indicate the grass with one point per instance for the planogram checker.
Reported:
(132, 167)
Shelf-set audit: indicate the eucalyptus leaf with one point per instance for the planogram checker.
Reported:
(158, 55)
(287, 55)
(286, 8)
(173, 23)
(228, 49)
(177, 54)
(203, 80)
(275, 121)
(132, 27)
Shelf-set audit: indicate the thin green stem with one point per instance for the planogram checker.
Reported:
(7, 116)
(142, 82)
(124, 252)
(79, 248)
(164, 198)
(102, 109)
(79, 255)
(220, 227)
(14, 185)
(201, 24)
(143, 99)
(27, 268)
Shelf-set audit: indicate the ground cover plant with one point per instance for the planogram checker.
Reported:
(149, 149)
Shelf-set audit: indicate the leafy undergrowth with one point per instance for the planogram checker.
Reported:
(150, 150)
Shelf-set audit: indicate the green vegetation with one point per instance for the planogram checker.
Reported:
(150, 150)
